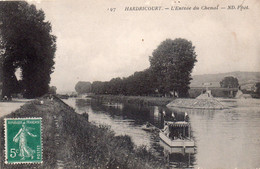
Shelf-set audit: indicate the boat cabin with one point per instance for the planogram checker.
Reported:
(177, 134)
(177, 130)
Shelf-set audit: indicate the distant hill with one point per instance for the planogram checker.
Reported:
(245, 79)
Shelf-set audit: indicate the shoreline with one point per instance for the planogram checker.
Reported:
(142, 100)
(225, 103)
(70, 141)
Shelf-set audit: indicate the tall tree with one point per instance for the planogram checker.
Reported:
(172, 63)
(229, 82)
(27, 43)
(83, 87)
(257, 90)
(52, 89)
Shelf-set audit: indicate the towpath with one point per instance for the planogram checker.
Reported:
(8, 107)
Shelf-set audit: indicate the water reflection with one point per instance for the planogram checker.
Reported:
(8, 107)
(178, 157)
(129, 119)
(227, 138)
(224, 138)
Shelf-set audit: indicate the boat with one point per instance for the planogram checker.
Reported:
(149, 127)
(114, 105)
(177, 134)
(178, 157)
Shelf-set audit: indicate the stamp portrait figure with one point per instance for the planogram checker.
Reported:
(21, 137)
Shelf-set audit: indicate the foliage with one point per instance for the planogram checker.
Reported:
(83, 87)
(172, 63)
(99, 87)
(171, 66)
(69, 139)
(140, 83)
(257, 85)
(26, 42)
(229, 82)
(53, 90)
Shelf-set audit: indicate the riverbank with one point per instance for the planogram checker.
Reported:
(8, 107)
(70, 141)
(209, 104)
(141, 100)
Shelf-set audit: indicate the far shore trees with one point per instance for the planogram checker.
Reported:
(83, 87)
(172, 63)
(170, 72)
(257, 90)
(26, 43)
(229, 82)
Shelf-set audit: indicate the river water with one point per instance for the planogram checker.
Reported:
(224, 138)
(227, 138)
(8, 107)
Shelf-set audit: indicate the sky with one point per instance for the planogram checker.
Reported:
(94, 43)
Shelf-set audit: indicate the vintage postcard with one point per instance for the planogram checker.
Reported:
(130, 84)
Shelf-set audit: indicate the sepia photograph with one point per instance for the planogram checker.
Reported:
(130, 84)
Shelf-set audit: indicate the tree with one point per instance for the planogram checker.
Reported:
(229, 82)
(172, 63)
(140, 83)
(115, 86)
(83, 87)
(26, 42)
(99, 87)
(53, 90)
(257, 90)
(171, 66)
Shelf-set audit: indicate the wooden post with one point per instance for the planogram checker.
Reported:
(189, 161)
(189, 131)
(183, 131)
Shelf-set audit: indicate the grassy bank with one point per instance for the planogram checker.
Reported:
(143, 100)
(70, 141)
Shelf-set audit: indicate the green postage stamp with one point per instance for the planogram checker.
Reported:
(23, 140)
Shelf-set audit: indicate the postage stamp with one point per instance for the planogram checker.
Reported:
(23, 140)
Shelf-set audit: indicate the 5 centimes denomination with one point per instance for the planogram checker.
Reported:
(23, 140)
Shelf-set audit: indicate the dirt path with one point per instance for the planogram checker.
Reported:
(8, 107)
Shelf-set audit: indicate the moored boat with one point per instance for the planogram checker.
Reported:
(177, 134)
(149, 127)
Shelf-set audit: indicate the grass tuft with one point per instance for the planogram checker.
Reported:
(70, 141)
